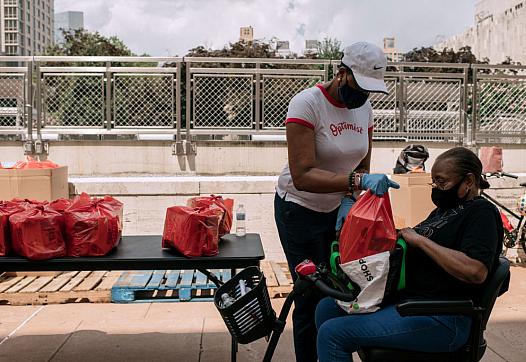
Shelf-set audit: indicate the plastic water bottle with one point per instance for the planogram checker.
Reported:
(227, 300)
(241, 215)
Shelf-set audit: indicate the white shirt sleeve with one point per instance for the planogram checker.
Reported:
(301, 111)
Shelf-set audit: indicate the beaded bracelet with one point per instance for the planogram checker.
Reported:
(351, 181)
(355, 179)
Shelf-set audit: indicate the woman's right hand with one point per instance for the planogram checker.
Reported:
(378, 183)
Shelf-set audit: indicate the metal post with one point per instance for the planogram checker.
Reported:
(464, 107)
(474, 108)
(402, 100)
(326, 72)
(188, 86)
(259, 100)
(108, 96)
(29, 104)
(178, 101)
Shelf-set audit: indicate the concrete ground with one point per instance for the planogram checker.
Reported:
(190, 332)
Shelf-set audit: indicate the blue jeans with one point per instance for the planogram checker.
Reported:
(341, 334)
(304, 234)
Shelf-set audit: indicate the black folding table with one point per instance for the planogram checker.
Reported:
(145, 253)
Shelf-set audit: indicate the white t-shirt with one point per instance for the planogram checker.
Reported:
(341, 142)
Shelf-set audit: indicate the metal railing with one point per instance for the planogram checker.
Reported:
(245, 96)
(79, 95)
(499, 103)
(219, 96)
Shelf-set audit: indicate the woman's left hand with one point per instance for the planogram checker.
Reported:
(410, 236)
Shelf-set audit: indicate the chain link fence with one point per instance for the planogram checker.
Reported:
(500, 104)
(73, 100)
(12, 100)
(218, 96)
(144, 100)
(223, 101)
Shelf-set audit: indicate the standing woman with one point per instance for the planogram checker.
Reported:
(329, 138)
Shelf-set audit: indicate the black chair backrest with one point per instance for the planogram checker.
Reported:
(496, 285)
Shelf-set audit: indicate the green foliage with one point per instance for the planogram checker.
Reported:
(329, 48)
(84, 43)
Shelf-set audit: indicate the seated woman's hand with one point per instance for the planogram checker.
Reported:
(410, 236)
(345, 206)
(378, 183)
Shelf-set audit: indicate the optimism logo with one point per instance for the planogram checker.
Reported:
(338, 128)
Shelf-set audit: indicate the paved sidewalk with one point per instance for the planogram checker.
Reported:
(189, 332)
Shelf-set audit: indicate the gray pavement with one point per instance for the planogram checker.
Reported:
(190, 332)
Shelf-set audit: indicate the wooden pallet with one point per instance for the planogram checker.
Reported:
(166, 286)
(279, 280)
(56, 287)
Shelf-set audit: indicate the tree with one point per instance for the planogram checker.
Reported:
(329, 48)
(81, 42)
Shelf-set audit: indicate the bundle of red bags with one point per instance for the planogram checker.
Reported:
(38, 230)
(194, 230)
(7, 208)
(32, 163)
(37, 233)
(227, 205)
(93, 226)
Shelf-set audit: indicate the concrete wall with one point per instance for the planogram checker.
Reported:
(113, 158)
(499, 31)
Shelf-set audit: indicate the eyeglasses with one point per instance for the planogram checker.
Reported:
(442, 184)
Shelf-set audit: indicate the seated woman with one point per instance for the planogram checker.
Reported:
(449, 256)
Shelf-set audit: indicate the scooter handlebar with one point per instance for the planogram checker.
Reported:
(331, 292)
(509, 175)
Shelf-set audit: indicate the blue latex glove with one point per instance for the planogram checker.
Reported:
(347, 202)
(378, 183)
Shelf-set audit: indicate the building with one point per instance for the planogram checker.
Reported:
(391, 52)
(67, 20)
(246, 33)
(499, 32)
(26, 26)
(311, 47)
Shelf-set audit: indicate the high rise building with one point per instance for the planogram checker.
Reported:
(391, 52)
(26, 26)
(311, 47)
(246, 33)
(67, 20)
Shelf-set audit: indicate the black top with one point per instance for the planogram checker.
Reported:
(474, 228)
(145, 253)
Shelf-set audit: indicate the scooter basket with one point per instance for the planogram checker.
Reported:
(251, 316)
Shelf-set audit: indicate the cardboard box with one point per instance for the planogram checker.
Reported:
(412, 202)
(38, 184)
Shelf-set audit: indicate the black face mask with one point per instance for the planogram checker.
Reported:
(448, 199)
(352, 98)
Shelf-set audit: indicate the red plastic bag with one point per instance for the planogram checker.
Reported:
(491, 158)
(7, 209)
(36, 233)
(227, 205)
(60, 205)
(32, 163)
(368, 229)
(93, 226)
(192, 231)
(27, 203)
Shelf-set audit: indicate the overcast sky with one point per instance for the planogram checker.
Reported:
(172, 27)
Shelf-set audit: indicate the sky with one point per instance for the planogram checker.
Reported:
(172, 27)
